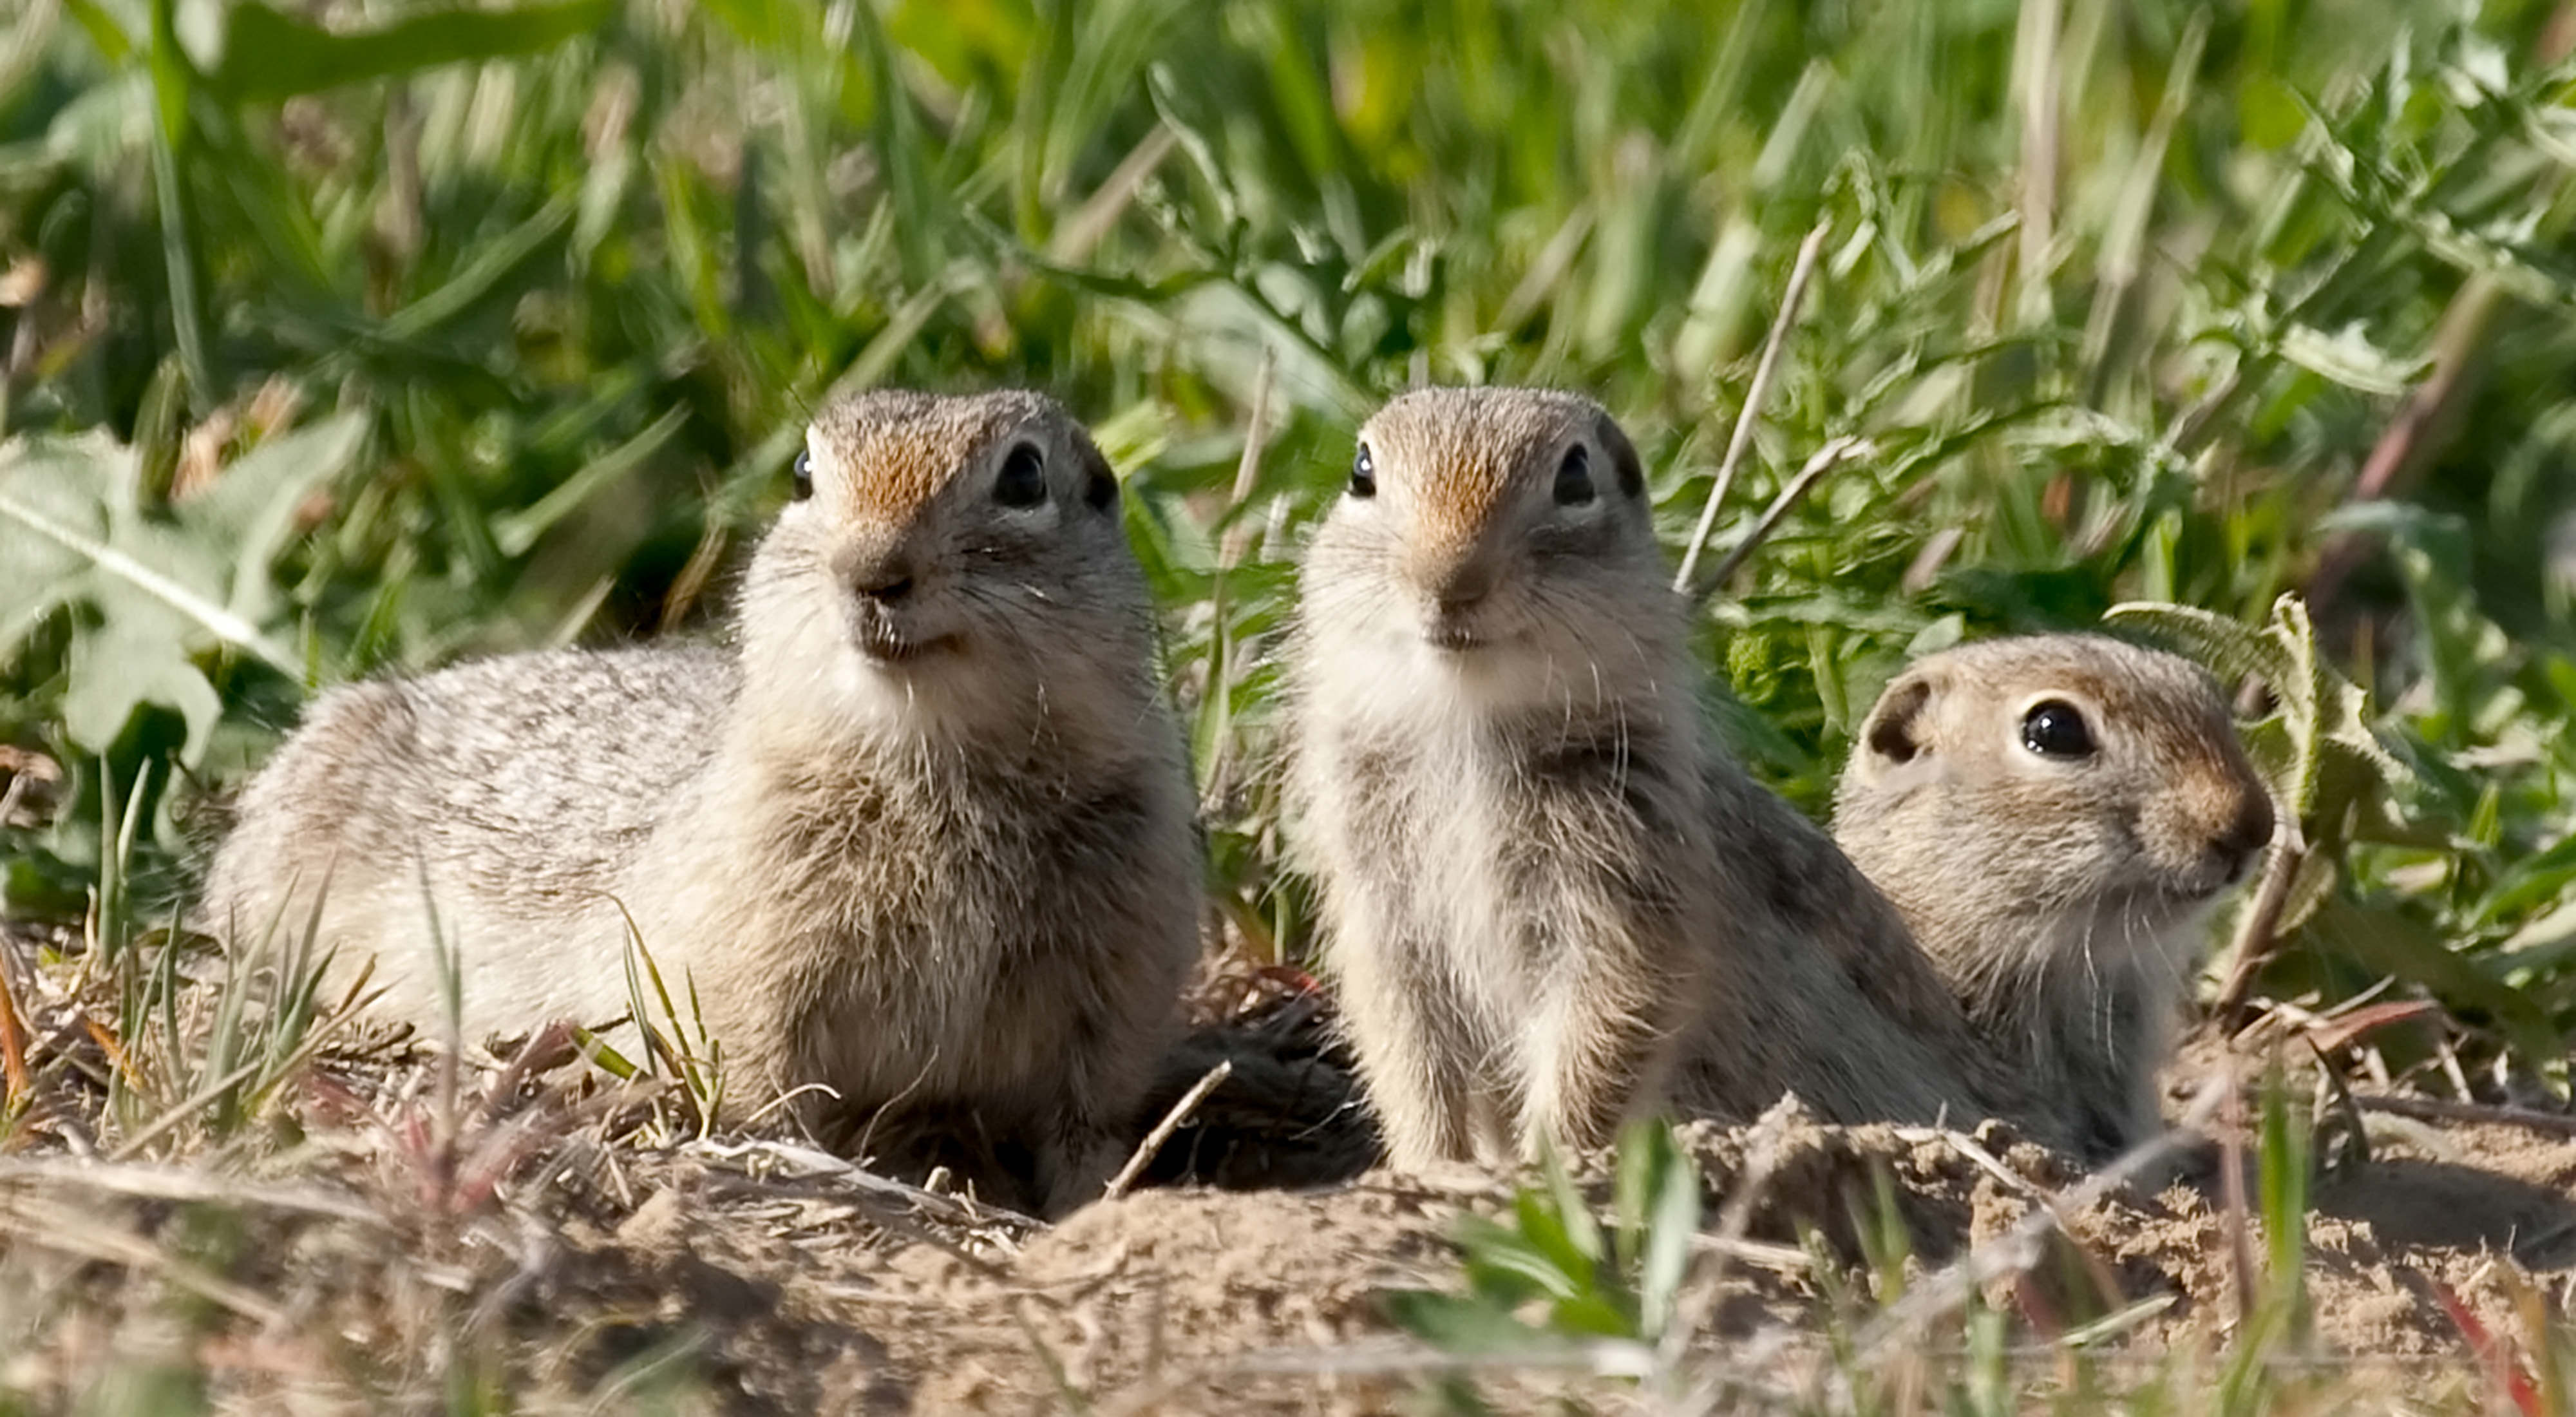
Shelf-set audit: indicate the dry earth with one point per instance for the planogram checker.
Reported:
(536, 1236)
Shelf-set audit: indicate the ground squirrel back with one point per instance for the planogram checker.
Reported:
(921, 832)
(1550, 897)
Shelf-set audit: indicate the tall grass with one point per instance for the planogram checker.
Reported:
(2133, 301)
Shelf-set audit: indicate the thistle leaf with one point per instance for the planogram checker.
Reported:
(154, 591)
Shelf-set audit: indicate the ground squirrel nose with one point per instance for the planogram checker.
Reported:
(1462, 585)
(2248, 834)
(884, 584)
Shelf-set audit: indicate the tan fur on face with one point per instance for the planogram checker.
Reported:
(2062, 899)
(935, 856)
(1465, 450)
(881, 456)
(1550, 898)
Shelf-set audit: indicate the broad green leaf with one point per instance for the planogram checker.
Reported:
(1519, 1264)
(2349, 358)
(1567, 1206)
(267, 54)
(1545, 1232)
(156, 590)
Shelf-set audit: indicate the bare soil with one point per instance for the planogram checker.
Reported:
(535, 1235)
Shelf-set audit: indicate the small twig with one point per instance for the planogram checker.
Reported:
(174, 1184)
(2434, 1109)
(2343, 1108)
(1247, 470)
(1754, 394)
(1826, 459)
(1163, 1129)
(2258, 930)
(810, 1162)
(2231, 1188)
(2029, 1190)
(1781, 1259)
(1073, 241)
(13, 1035)
(2451, 1069)
(2112, 1325)
(1247, 476)
(2035, 63)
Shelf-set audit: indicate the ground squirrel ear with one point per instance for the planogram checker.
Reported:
(1893, 731)
(1623, 456)
(1099, 484)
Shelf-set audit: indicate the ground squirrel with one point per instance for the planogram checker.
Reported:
(2054, 816)
(923, 832)
(1550, 897)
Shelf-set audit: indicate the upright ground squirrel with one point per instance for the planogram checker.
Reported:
(2054, 816)
(1551, 899)
(921, 834)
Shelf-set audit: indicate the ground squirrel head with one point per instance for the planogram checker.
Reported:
(1492, 542)
(2051, 792)
(948, 561)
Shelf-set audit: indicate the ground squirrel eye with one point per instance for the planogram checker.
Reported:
(2054, 729)
(1574, 478)
(1099, 491)
(800, 476)
(1022, 482)
(1364, 474)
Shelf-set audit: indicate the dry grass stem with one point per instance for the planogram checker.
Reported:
(1162, 1132)
(1826, 459)
(1749, 416)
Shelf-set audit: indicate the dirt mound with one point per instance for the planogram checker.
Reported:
(574, 1257)
(1159, 1299)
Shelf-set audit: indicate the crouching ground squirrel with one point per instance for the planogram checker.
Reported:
(1550, 897)
(921, 833)
(2054, 816)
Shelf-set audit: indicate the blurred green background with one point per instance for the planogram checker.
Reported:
(340, 338)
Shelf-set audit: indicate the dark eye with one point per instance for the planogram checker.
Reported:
(1364, 474)
(800, 476)
(1574, 478)
(2053, 729)
(1022, 482)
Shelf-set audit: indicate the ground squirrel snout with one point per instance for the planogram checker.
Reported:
(2055, 815)
(922, 834)
(1552, 900)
